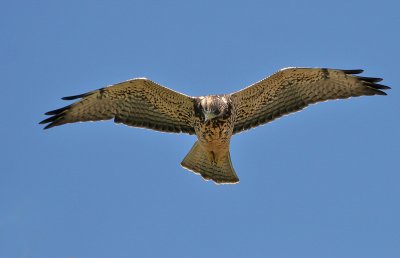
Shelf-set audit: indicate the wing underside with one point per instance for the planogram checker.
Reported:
(137, 102)
(292, 89)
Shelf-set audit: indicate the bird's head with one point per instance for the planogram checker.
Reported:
(214, 106)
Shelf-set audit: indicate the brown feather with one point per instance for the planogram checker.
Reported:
(292, 89)
(137, 102)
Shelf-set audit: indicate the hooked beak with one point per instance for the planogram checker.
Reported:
(208, 115)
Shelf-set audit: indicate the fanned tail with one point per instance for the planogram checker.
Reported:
(198, 161)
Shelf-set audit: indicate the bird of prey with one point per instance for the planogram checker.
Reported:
(214, 118)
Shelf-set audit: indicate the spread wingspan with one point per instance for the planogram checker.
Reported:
(292, 89)
(137, 102)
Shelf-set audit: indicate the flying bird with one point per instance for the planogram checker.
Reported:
(214, 119)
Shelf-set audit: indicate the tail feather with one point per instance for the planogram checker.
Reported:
(198, 161)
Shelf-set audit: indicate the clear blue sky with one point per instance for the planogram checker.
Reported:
(324, 182)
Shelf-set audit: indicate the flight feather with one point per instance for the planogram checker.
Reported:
(136, 102)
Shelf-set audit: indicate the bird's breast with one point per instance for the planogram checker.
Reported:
(214, 133)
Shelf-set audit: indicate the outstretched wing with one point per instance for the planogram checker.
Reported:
(137, 102)
(292, 89)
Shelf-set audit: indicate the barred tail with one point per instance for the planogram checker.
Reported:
(198, 161)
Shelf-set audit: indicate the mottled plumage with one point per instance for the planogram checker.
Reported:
(214, 118)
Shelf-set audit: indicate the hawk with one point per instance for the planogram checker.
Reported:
(214, 118)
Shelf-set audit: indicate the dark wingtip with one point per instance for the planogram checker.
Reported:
(368, 79)
(370, 82)
(50, 119)
(80, 95)
(378, 86)
(75, 97)
(384, 87)
(56, 117)
(353, 71)
(57, 111)
(379, 92)
(49, 126)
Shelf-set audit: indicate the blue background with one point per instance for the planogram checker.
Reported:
(323, 182)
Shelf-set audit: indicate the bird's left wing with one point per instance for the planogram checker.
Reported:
(292, 89)
(137, 102)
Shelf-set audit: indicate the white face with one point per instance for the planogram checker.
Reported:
(213, 106)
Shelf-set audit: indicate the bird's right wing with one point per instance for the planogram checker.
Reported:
(292, 89)
(137, 102)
